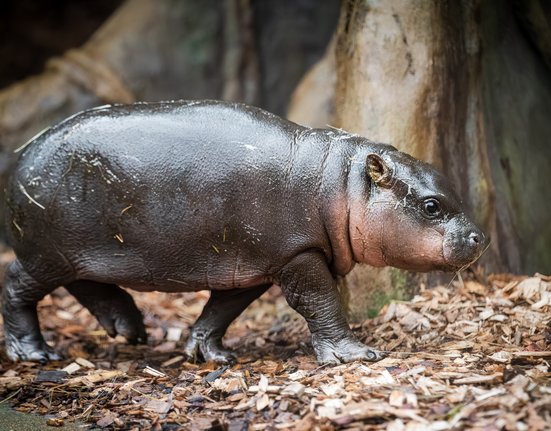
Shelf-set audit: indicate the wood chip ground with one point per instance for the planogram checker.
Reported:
(471, 356)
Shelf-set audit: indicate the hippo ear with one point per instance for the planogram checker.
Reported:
(378, 170)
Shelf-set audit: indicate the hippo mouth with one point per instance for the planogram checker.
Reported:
(457, 261)
(453, 264)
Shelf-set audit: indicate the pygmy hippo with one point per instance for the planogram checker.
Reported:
(185, 196)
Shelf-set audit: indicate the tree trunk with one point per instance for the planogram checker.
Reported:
(457, 84)
(313, 101)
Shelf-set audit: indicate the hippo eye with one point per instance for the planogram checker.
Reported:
(432, 207)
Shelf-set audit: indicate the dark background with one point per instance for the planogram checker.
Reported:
(33, 31)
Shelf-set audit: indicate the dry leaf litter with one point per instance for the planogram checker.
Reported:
(469, 356)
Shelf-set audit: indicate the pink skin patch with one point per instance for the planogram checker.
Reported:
(383, 234)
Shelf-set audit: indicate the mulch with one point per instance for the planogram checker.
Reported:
(471, 355)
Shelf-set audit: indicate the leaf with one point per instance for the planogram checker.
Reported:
(262, 402)
(55, 376)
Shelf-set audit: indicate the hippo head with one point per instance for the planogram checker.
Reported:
(413, 219)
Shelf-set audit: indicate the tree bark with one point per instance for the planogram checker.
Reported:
(516, 89)
(313, 101)
(291, 36)
(457, 84)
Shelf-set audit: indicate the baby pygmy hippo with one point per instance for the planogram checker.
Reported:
(186, 196)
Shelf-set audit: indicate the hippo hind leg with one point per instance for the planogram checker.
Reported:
(20, 296)
(114, 308)
(222, 308)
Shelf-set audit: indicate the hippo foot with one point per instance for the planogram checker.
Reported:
(344, 350)
(29, 348)
(114, 308)
(129, 325)
(208, 349)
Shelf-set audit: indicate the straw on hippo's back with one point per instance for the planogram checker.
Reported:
(185, 196)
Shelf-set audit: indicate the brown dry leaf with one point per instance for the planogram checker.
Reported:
(230, 384)
(295, 389)
(475, 287)
(95, 377)
(527, 289)
(476, 379)
(262, 401)
(396, 398)
(12, 383)
(501, 356)
(72, 368)
(84, 363)
(161, 406)
(167, 346)
(107, 419)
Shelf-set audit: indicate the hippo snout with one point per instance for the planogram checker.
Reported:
(464, 244)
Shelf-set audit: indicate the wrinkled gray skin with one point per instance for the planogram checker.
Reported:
(185, 196)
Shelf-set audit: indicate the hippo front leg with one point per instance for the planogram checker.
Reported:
(311, 290)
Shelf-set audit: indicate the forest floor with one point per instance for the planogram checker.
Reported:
(470, 356)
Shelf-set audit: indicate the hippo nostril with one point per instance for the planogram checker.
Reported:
(474, 238)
